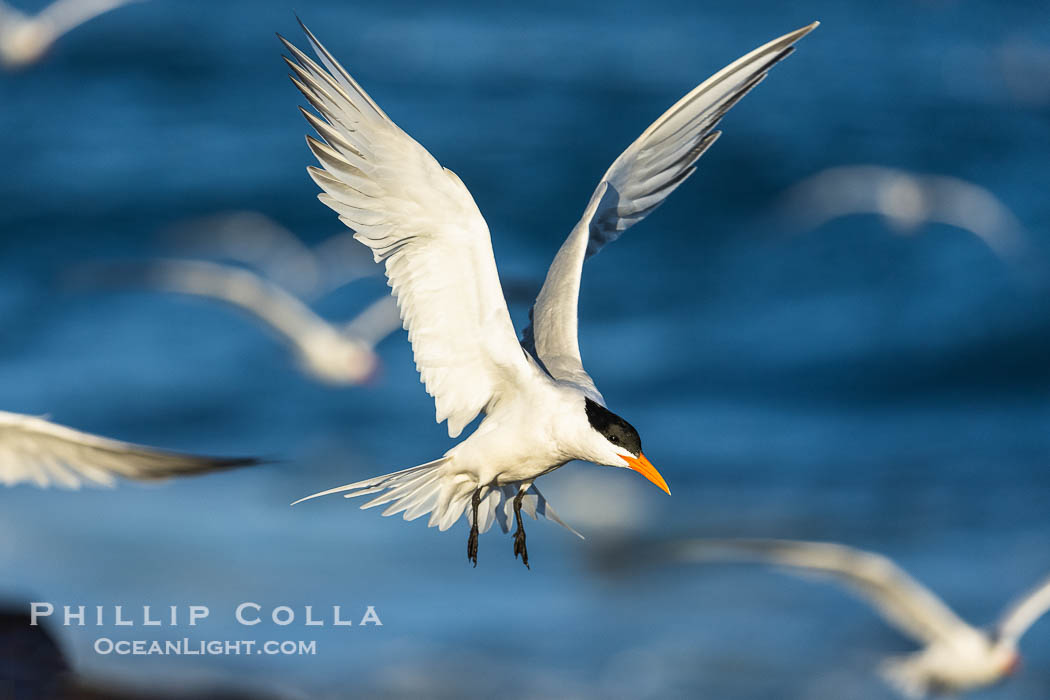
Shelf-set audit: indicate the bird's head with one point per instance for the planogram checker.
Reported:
(22, 44)
(1003, 654)
(358, 364)
(615, 443)
(335, 359)
(1012, 664)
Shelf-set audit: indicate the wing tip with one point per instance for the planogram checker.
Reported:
(802, 31)
(312, 496)
(217, 464)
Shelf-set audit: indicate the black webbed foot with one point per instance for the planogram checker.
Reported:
(472, 540)
(519, 533)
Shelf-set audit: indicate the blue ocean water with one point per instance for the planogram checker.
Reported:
(845, 383)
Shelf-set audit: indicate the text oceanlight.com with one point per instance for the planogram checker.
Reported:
(247, 614)
(213, 647)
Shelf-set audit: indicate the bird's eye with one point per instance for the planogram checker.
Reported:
(614, 440)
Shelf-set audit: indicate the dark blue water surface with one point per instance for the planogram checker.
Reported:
(844, 383)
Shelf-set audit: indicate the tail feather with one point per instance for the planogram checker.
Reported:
(424, 506)
(455, 496)
(422, 496)
(400, 492)
(428, 488)
(453, 514)
(537, 506)
(446, 501)
(533, 504)
(505, 515)
(375, 484)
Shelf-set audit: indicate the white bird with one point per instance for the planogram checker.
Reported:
(255, 239)
(541, 407)
(333, 354)
(907, 201)
(24, 40)
(37, 451)
(955, 656)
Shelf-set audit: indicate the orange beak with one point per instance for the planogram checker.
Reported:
(646, 469)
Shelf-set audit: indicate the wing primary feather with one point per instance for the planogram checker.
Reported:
(340, 73)
(1024, 612)
(331, 136)
(38, 451)
(637, 182)
(421, 223)
(895, 595)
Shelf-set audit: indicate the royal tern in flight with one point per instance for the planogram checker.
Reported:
(333, 354)
(907, 201)
(956, 656)
(37, 451)
(256, 240)
(541, 407)
(23, 39)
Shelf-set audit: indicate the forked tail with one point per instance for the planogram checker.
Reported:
(431, 488)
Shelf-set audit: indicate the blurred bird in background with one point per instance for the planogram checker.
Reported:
(955, 657)
(36, 451)
(541, 407)
(254, 239)
(337, 354)
(836, 385)
(24, 40)
(907, 201)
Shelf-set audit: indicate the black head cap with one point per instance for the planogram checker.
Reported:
(615, 429)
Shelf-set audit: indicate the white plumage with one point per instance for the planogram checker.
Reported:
(421, 222)
(909, 201)
(541, 408)
(24, 40)
(36, 451)
(334, 354)
(955, 657)
(254, 239)
(637, 182)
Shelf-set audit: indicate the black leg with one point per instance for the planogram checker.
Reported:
(519, 534)
(472, 541)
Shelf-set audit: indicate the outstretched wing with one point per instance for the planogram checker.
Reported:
(254, 239)
(377, 321)
(279, 311)
(900, 599)
(636, 183)
(33, 450)
(62, 16)
(1025, 612)
(9, 15)
(419, 219)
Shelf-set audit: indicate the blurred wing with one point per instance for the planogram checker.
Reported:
(9, 15)
(1024, 612)
(636, 183)
(242, 289)
(420, 220)
(972, 208)
(376, 322)
(342, 260)
(63, 15)
(33, 450)
(254, 239)
(901, 600)
(848, 190)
